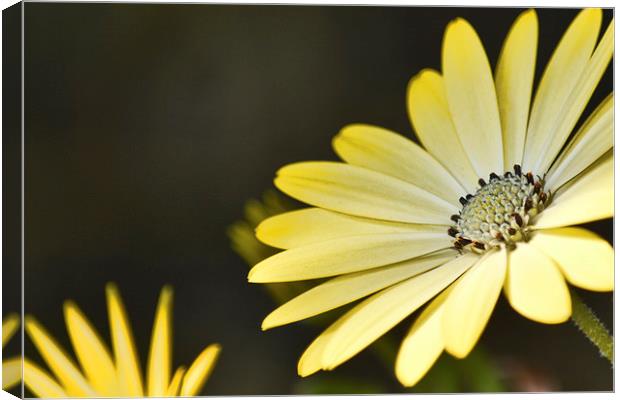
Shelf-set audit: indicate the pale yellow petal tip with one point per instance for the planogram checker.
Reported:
(10, 323)
(525, 19)
(350, 127)
(591, 16)
(262, 231)
(282, 171)
(422, 75)
(458, 25)
(258, 274)
(216, 348)
(458, 352)
(30, 322)
(269, 322)
(405, 379)
(166, 293)
(71, 311)
(111, 290)
(11, 318)
(252, 276)
(528, 14)
(70, 307)
(409, 375)
(592, 12)
(213, 351)
(279, 181)
(350, 130)
(551, 319)
(303, 370)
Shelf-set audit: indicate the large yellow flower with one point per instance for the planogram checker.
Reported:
(488, 203)
(118, 375)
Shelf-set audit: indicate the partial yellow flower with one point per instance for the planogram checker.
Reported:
(117, 373)
(487, 204)
(11, 367)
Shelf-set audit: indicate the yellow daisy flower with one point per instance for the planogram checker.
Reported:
(11, 367)
(103, 374)
(487, 203)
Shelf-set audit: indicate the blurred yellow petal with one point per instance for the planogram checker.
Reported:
(423, 344)
(471, 303)
(362, 192)
(376, 315)
(350, 254)
(127, 364)
(586, 260)
(594, 138)
(158, 369)
(578, 99)
(41, 384)
(535, 287)
(313, 225)
(589, 198)
(198, 373)
(430, 116)
(58, 361)
(560, 77)
(11, 372)
(10, 323)
(92, 354)
(244, 243)
(350, 287)
(470, 91)
(513, 80)
(387, 152)
(175, 384)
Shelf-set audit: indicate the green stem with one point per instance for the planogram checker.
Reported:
(592, 327)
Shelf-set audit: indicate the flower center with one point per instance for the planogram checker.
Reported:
(499, 212)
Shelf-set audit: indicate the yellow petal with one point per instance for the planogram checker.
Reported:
(40, 383)
(127, 364)
(471, 97)
(373, 317)
(92, 354)
(513, 80)
(423, 344)
(350, 287)
(10, 323)
(586, 260)
(430, 117)
(589, 198)
(558, 81)
(578, 99)
(175, 384)
(387, 152)
(315, 225)
(362, 192)
(535, 287)
(471, 303)
(158, 369)
(311, 360)
(199, 371)
(58, 361)
(594, 138)
(350, 254)
(11, 372)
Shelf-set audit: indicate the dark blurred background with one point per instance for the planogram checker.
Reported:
(147, 127)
